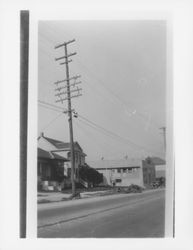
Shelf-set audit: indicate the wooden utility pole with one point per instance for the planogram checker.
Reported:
(68, 97)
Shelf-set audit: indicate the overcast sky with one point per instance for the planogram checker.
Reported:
(123, 72)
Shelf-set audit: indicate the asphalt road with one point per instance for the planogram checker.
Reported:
(116, 216)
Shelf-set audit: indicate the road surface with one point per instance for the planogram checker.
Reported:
(116, 216)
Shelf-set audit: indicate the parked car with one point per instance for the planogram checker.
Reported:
(130, 189)
(155, 184)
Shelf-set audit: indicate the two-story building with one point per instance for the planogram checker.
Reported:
(63, 149)
(124, 172)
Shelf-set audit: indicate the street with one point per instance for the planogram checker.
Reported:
(115, 216)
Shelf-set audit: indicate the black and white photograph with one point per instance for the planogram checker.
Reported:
(102, 128)
(96, 124)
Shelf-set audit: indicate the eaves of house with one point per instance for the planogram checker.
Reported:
(114, 164)
(43, 154)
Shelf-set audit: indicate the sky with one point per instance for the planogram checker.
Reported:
(123, 73)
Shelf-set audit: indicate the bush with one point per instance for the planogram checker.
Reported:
(90, 175)
(131, 189)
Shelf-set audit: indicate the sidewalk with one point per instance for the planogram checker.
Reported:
(46, 197)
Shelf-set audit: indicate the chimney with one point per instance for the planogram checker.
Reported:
(42, 134)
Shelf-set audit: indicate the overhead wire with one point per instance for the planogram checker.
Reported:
(60, 113)
(48, 107)
(92, 138)
(138, 113)
(52, 121)
(145, 117)
(122, 139)
(51, 105)
(101, 83)
(92, 87)
(107, 134)
(106, 131)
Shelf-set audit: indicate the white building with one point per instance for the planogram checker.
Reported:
(123, 172)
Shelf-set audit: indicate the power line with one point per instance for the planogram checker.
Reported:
(52, 121)
(47, 107)
(105, 131)
(112, 134)
(75, 123)
(91, 136)
(145, 118)
(142, 115)
(51, 105)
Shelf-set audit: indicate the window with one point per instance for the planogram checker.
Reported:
(69, 172)
(118, 170)
(118, 180)
(124, 170)
(129, 170)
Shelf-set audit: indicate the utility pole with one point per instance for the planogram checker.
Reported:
(164, 136)
(67, 93)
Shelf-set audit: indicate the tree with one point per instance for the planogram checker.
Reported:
(90, 174)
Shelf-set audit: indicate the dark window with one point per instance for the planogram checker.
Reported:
(118, 170)
(76, 157)
(69, 172)
(118, 180)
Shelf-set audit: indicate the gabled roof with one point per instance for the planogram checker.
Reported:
(157, 161)
(114, 164)
(56, 143)
(49, 155)
(44, 154)
(63, 145)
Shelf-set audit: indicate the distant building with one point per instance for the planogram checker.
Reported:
(119, 172)
(149, 173)
(160, 166)
(125, 172)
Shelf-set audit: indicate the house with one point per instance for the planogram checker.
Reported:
(50, 170)
(63, 149)
(124, 172)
